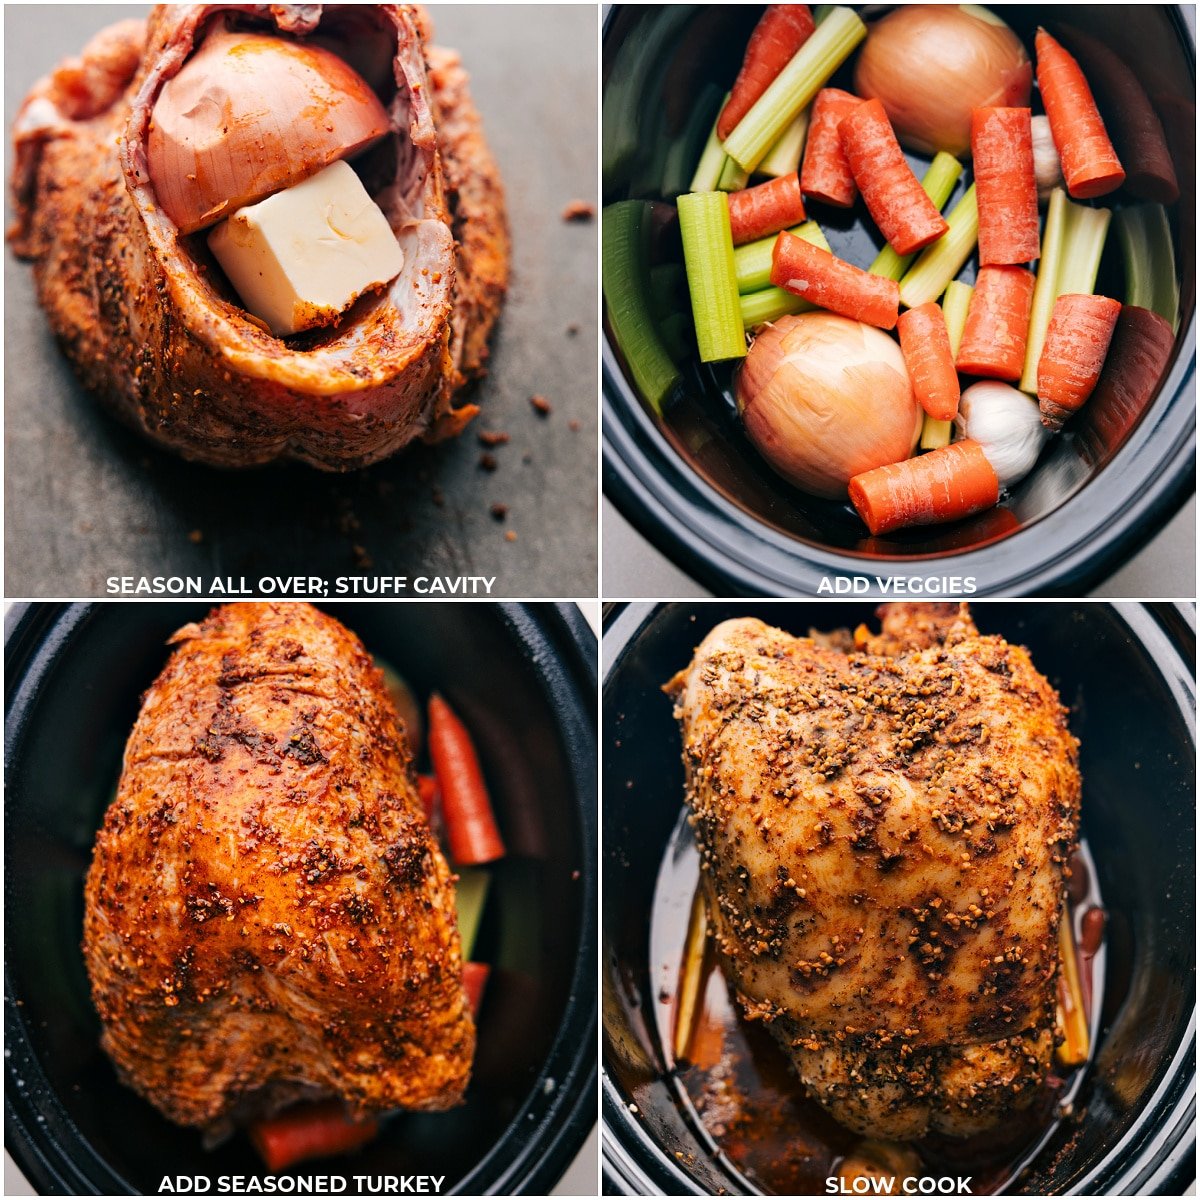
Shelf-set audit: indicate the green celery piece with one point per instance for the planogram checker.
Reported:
(1144, 234)
(470, 895)
(770, 304)
(794, 87)
(733, 178)
(1072, 243)
(938, 183)
(955, 304)
(753, 260)
(712, 158)
(940, 262)
(784, 157)
(934, 433)
(625, 253)
(690, 142)
(712, 278)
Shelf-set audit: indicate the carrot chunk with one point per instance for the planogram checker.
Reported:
(1077, 341)
(893, 195)
(1005, 185)
(779, 34)
(759, 211)
(943, 485)
(309, 1131)
(993, 342)
(832, 284)
(825, 174)
(925, 344)
(467, 810)
(1089, 162)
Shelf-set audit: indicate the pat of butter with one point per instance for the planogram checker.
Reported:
(301, 257)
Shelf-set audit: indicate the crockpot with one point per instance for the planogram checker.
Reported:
(1127, 673)
(692, 483)
(523, 679)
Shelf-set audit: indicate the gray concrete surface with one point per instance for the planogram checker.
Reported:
(86, 499)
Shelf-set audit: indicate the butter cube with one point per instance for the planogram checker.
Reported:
(301, 257)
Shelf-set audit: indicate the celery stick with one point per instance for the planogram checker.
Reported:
(934, 433)
(955, 304)
(938, 183)
(784, 157)
(769, 305)
(712, 278)
(753, 260)
(470, 895)
(939, 263)
(793, 88)
(733, 178)
(686, 148)
(1072, 243)
(1149, 257)
(712, 158)
(625, 253)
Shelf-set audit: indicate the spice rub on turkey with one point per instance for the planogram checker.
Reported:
(267, 914)
(884, 825)
(219, 276)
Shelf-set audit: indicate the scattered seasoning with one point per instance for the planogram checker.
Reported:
(572, 329)
(196, 537)
(487, 461)
(499, 511)
(541, 405)
(579, 210)
(510, 535)
(573, 426)
(527, 458)
(492, 437)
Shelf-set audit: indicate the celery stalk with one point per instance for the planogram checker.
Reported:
(784, 157)
(470, 895)
(733, 178)
(770, 304)
(938, 183)
(794, 86)
(625, 252)
(753, 260)
(712, 158)
(712, 277)
(934, 433)
(939, 263)
(1144, 234)
(1072, 243)
(955, 305)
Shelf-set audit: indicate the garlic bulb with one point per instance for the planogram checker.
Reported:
(1047, 167)
(1007, 425)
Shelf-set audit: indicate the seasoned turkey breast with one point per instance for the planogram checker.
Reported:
(884, 827)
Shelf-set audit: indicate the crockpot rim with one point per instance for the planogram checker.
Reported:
(1065, 551)
(549, 1127)
(633, 1164)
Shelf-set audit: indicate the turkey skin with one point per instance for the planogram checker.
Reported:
(885, 824)
(267, 916)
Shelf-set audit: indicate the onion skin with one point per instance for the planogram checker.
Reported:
(248, 115)
(824, 398)
(931, 64)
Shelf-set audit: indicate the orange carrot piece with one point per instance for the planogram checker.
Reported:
(782, 30)
(925, 344)
(894, 197)
(758, 211)
(832, 284)
(467, 810)
(993, 341)
(825, 174)
(475, 977)
(309, 1131)
(1089, 162)
(428, 789)
(1077, 341)
(1005, 185)
(943, 485)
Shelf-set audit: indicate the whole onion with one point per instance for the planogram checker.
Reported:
(930, 64)
(824, 398)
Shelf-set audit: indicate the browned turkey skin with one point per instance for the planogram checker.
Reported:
(884, 826)
(268, 917)
(147, 319)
